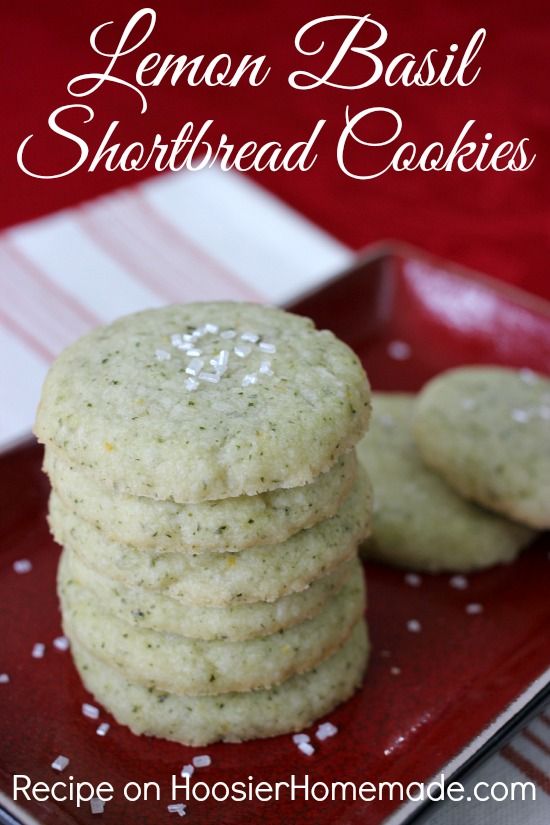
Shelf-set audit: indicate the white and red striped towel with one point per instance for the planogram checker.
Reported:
(179, 238)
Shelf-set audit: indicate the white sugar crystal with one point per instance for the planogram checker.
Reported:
(4, 678)
(521, 416)
(211, 328)
(413, 579)
(325, 731)
(251, 378)
(191, 384)
(38, 650)
(194, 352)
(265, 347)
(202, 761)
(97, 805)
(399, 350)
(221, 361)
(414, 626)
(22, 566)
(61, 643)
(189, 337)
(468, 404)
(90, 711)
(187, 770)
(265, 368)
(176, 339)
(306, 748)
(458, 582)
(177, 808)
(528, 376)
(251, 337)
(242, 350)
(194, 366)
(103, 729)
(227, 334)
(162, 355)
(474, 609)
(395, 671)
(60, 763)
(209, 377)
(300, 737)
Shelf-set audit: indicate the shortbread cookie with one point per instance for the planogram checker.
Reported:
(487, 431)
(143, 608)
(197, 667)
(258, 574)
(225, 525)
(205, 401)
(419, 522)
(233, 717)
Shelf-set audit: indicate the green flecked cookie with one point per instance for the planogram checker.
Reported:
(202, 667)
(224, 525)
(264, 573)
(232, 717)
(205, 401)
(419, 521)
(487, 431)
(145, 608)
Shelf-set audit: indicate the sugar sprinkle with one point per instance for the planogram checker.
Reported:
(90, 711)
(97, 805)
(458, 582)
(306, 748)
(251, 378)
(521, 416)
(242, 350)
(187, 770)
(22, 566)
(399, 350)
(103, 729)
(38, 650)
(528, 376)
(413, 579)
(60, 763)
(61, 643)
(4, 678)
(162, 355)
(414, 626)
(300, 737)
(325, 731)
(264, 346)
(474, 609)
(202, 761)
(177, 808)
(250, 337)
(395, 671)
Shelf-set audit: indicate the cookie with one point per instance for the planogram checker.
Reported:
(264, 573)
(205, 401)
(193, 666)
(487, 431)
(419, 521)
(144, 608)
(223, 525)
(233, 717)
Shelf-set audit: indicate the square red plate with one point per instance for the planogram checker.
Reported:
(460, 678)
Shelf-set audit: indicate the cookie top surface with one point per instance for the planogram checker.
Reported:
(205, 401)
(419, 521)
(487, 431)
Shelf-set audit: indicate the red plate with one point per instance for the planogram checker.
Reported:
(459, 678)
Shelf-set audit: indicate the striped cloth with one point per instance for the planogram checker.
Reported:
(188, 237)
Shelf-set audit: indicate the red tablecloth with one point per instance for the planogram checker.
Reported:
(496, 222)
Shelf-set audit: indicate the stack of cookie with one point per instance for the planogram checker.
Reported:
(207, 496)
